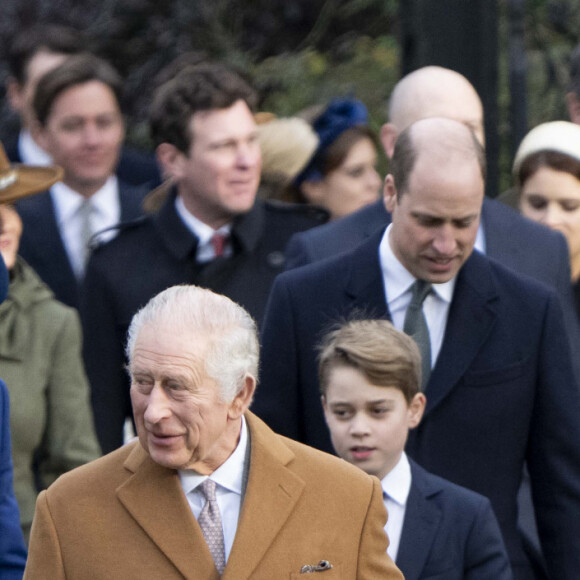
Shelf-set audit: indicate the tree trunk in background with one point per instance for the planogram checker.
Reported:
(461, 35)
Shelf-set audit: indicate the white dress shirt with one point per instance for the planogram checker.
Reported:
(203, 232)
(106, 213)
(30, 151)
(228, 477)
(396, 487)
(398, 282)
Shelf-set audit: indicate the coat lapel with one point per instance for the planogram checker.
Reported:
(46, 241)
(422, 518)
(154, 498)
(364, 280)
(271, 495)
(470, 321)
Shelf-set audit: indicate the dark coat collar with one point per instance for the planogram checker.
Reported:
(178, 239)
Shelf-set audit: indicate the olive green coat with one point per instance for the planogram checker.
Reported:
(40, 361)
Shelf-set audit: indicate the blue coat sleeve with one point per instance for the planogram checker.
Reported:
(12, 549)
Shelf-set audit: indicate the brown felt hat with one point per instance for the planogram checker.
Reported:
(18, 181)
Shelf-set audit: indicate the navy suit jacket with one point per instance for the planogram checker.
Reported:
(514, 241)
(12, 549)
(502, 391)
(449, 533)
(42, 247)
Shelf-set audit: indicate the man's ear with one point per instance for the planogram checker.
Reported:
(243, 398)
(573, 104)
(389, 136)
(390, 193)
(171, 160)
(416, 410)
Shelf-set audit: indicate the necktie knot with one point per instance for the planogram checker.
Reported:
(208, 488)
(421, 289)
(218, 243)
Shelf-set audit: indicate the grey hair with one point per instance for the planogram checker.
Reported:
(233, 347)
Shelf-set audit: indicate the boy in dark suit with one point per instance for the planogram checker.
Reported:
(370, 375)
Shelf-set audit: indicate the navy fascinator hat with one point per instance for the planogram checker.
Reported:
(340, 115)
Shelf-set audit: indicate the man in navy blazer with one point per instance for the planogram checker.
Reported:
(502, 388)
(514, 241)
(42, 246)
(79, 123)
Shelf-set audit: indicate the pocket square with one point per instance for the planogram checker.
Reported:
(320, 567)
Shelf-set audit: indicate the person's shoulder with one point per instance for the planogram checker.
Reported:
(317, 466)
(506, 280)
(131, 190)
(460, 498)
(313, 466)
(104, 474)
(298, 212)
(357, 223)
(522, 229)
(33, 205)
(130, 233)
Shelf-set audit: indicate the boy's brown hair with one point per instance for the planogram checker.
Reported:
(384, 355)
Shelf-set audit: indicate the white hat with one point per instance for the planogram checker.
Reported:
(559, 136)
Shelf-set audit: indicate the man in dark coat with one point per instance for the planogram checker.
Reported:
(79, 122)
(210, 231)
(501, 388)
(514, 241)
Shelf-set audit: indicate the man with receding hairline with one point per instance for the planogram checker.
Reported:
(500, 384)
(517, 243)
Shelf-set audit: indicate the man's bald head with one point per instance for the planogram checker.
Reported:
(445, 142)
(428, 92)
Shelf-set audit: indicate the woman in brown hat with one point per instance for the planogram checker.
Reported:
(40, 358)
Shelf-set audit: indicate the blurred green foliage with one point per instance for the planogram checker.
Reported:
(552, 31)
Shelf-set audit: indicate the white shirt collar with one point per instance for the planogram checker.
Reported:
(398, 279)
(202, 231)
(30, 151)
(228, 475)
(105, 201)
(397, 483)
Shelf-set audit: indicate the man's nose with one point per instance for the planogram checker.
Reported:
(91, 134)
(359, 426)
(158, 407)
(248, 154)
(444, 242)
